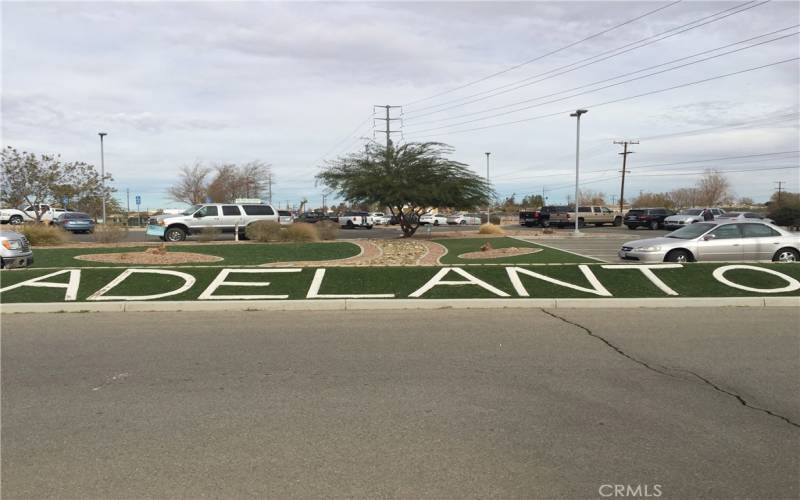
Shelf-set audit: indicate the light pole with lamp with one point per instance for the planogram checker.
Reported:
(577, 114)
(489, 207)
(103, 173)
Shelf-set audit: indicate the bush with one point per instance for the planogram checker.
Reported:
(786, 216)
(263, 231)
(327, 230)
(208, 234)
(301, 232)
(491, 229)
(110, 233)
(43, 235)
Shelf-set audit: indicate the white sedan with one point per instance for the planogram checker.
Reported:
(433, 219)
(464, 219)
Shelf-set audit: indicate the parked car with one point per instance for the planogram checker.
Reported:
(15, 251)
(285, 217)
(433, 219)
(745, 216)
(76, 222)
(352, 220)
(314, 217)
(380, 218)
(690, 216)
(411, 218)
(464, 219)
(16, 216)
(651, 218)
(717, 241)
(587, 214)
(222, 217)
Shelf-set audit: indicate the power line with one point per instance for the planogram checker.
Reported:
(644, 42)
(529, 61)
(615, 78)
(613, 101)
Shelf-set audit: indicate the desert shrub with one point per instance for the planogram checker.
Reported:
(263, 231)
(208, 234)
(490, 229)
(300, 232)
(327, 230)
(43, 235)
(786, 216)
(109, 233)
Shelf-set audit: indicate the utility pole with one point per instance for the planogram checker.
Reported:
(780, 189)
(269, 187)
(103, 173)
(128, 212)
(489, 207)
(624, 154)
(388, 109)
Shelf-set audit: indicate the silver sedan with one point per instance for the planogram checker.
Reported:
(717, 241)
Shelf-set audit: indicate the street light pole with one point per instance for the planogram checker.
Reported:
(488, 208)
(577, 114)
(103, 173)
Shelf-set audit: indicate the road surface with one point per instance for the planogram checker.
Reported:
(700, 403)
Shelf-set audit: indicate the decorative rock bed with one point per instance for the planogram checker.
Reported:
(149, 258)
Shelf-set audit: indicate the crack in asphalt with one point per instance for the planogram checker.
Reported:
(704, 380)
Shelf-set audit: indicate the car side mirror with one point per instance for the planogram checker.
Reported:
(709, 237)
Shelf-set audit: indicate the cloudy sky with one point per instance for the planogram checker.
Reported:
(293, 84)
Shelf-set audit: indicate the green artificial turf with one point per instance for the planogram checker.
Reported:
(456, 247)
(693, 280)
(234, 255)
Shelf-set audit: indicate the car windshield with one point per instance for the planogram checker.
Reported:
(693, 211)
(191, 210)
(637, 211)
(76, 215)
(731, 215)
(690, 232)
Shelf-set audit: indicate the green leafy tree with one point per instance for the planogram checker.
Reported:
(409, 179)
(47, 179)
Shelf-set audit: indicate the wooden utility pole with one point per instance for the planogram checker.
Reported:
(624, 154)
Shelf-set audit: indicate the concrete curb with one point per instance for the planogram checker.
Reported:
(395, 304)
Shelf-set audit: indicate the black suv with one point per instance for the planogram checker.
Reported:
(651, 218)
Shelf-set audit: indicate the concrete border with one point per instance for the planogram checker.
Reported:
(395, 304)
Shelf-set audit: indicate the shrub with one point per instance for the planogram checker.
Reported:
(300, 232)
(109, 233)
(263, 231)
(786, 216)
(208, 234)
(490, 229)
(327, 230)
(43, 235)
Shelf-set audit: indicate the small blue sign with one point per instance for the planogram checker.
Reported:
(138, 199)
(64, 201)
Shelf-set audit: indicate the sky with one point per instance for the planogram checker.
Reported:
(294, 84)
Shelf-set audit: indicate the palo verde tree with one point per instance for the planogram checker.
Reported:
(409, 179)
(47, 179)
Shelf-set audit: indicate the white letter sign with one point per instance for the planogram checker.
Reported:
(471, 280)
(719, 275)
(208, 293)
(646, 269)
(597, 287)
(72, 286)
(101, 294)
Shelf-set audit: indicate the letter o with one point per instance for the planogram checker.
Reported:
(600, 490)
(719, 275)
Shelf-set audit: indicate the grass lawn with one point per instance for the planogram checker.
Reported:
(456, 247)
(234, 255)
(692, 280)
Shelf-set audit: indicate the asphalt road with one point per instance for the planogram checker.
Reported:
(700, 403)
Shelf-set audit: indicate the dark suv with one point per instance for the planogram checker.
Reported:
(651, 218)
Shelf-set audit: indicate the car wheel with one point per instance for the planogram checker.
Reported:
(631, 227)
(617, 221)
(463, 223)
(369, 227)
(349, 224)
(174, 234)
(15, 220)
(581, 223)
(545, 223)
(653, 225)
(786, 255)
(436, 223)
(679, 256)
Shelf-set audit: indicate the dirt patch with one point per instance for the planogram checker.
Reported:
(148, 258)
(399, 252)
(497, 253)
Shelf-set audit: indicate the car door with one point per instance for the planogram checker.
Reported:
(231, 217)
(722, 244)
(207, 217)
(760, 242)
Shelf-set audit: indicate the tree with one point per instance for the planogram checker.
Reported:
(47, 179)
(653, 200)
(589, 197)
(409, 179)
(192, 187)
(230, 182)
(713, 189)
(684, 197)
(533, 201)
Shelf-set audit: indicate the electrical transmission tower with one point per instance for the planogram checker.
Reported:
(389, 119)
(624, 154)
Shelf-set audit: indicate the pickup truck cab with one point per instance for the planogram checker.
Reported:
(587, 214)
(222, 217)
(16, 216)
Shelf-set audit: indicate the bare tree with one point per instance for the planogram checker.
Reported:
(684, 197)
(713, 189)
(653, 200)
(192, 187)
(589, 197)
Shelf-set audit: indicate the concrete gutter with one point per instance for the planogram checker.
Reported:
(387, 304)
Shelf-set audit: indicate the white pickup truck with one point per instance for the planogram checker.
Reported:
(15, 216)
(352, 220)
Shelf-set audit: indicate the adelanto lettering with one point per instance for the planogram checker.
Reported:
(629, 490)
(440, 279)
